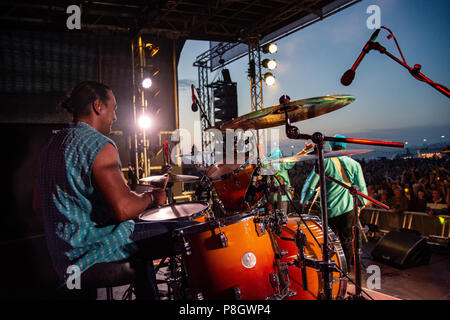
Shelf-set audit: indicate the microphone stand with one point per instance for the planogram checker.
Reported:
(415, 72)
(202, 116)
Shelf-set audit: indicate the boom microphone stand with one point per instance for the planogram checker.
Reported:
(415, 71)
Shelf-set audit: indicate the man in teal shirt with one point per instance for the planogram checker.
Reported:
(281, 172)
(339, 199)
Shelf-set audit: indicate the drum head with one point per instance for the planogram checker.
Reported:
(217, 171)
(215, 223)
(188, 211)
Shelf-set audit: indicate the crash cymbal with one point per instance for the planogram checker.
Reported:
(297, 110)
(172, 178)
(313, 156)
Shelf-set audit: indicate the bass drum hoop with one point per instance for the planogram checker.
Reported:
(337, 246)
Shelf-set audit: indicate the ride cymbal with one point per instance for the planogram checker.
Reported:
(297, 110)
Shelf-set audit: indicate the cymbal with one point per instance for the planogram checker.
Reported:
(172, 178)
(328, 154)
(297, 110)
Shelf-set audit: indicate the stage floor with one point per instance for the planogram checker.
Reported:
(428, 282)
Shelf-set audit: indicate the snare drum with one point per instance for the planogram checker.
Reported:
(231, 183)
(191, 211)
(233, 261)
(312, 250)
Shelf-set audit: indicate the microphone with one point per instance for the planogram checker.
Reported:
(349, 75)
(194, 105)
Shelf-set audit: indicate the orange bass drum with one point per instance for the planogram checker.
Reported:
(312, 250)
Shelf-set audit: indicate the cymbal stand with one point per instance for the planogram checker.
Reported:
(167, 169)
(357, 252)
(326, 265)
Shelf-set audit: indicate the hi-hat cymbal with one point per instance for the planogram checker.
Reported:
(328, 154)
(297, 110)
(172, 178)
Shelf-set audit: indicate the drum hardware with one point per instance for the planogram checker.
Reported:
(300, 241)
(298, 110)
(222, 237)
(186, 247)
(277, 220)
(260, 226)
(198, 296)
(318, 139)
(357, 251)
(237, 293)
(249, 261)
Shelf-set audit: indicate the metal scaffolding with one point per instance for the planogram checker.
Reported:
(141, 54)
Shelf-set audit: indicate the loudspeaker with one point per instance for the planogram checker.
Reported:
(402, 250)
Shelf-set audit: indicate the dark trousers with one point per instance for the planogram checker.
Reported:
(154, 241)
(342, 226)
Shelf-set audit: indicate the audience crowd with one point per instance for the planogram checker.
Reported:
(414, 184)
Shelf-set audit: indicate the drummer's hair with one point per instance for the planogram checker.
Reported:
(79, 99)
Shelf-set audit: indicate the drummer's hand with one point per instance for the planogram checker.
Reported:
(159, 197)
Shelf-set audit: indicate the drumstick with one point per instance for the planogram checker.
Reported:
(165, 182)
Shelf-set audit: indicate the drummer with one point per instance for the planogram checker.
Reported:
(87, 207)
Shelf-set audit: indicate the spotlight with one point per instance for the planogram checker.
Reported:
(269, 64)
(146, 83)
(270, 48)
(269, 79)
(144, 121)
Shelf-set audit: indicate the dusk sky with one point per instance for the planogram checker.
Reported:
(390, 104)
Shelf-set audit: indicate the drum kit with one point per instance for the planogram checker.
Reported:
(240, 246)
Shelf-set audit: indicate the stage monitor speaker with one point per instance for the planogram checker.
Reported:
(402, 249)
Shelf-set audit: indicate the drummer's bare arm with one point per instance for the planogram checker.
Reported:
(123, 203)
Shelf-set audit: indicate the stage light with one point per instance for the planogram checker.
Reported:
(144, 122)
(146, 83)
(152, 49)
(269, 79)
(270, 48)
(269, 64)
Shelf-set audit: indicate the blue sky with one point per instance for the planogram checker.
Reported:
(312, 61)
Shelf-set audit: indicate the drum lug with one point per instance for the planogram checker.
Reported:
(223, 240)
(275, 281)
(281, 254)
(237, 293)
(237, 182)
(187, 247)
(260, 227)
(198, 296)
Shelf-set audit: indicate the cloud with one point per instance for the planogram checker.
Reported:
(184, 84)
